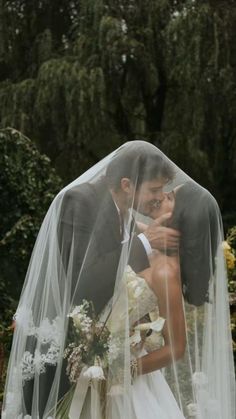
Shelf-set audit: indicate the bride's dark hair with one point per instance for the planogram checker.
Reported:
(139, 161)
(196, 215)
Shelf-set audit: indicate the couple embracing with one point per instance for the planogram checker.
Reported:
(124, 310)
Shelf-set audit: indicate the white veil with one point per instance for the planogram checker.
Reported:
(81, 254)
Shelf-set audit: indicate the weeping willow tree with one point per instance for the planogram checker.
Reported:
(201, 102)
(113, 70)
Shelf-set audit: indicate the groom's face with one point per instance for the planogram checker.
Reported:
(148, 194)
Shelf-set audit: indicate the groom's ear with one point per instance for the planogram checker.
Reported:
(126, 185)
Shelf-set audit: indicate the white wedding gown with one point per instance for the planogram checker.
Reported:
(151, 397)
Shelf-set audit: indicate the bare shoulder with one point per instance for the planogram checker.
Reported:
(165, 277)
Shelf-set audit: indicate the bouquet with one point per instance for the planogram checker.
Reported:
(89, 352)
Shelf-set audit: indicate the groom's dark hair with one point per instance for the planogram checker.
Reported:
(139, 161)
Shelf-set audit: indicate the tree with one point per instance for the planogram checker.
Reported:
(202, 79)
(33, 32)
(120, 69)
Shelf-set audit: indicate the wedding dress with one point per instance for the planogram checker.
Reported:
(151, 396)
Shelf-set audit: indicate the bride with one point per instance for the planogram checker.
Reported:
(102, 330)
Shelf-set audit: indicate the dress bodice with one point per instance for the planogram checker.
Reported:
(141, 299)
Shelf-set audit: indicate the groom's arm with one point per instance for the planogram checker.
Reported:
(75, 228)
(89, 257)
(154, 236)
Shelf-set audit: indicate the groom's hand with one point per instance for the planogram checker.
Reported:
(161, 237)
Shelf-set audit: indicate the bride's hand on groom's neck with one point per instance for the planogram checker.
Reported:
(161, 237)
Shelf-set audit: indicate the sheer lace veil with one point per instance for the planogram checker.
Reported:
(82, 253)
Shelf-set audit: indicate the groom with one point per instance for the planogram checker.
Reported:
(94, 221)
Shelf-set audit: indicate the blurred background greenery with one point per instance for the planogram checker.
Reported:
(79, 78)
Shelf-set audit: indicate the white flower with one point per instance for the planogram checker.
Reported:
(80, 319)
(75, 311)
(79, 311)
(94, 373)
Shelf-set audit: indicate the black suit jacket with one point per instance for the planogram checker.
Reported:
(89, 235)
(90, 229)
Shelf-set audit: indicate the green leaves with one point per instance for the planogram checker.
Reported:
(115, 70)
(27, 185)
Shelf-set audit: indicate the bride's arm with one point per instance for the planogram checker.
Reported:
(164, 278)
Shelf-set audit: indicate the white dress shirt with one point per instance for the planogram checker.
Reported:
(126, 230)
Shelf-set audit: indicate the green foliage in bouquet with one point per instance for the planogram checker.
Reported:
(89, 341)
(88, 353)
